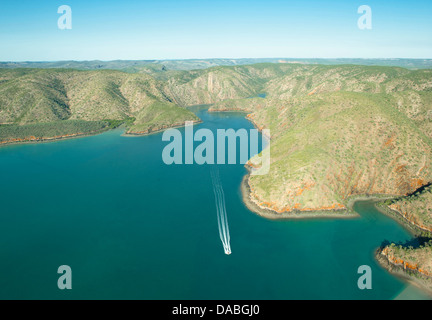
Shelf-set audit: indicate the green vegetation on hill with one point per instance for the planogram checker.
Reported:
(330, 147)
(413, 260)
(159, 116)
(49, 96)
(51, 129)
(416, 208)
(339, 132)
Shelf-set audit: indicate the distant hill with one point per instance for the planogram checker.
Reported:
(137, 66)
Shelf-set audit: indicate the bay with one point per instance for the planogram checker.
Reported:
(132, 227)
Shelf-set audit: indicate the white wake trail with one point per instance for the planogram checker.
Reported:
(222, 217)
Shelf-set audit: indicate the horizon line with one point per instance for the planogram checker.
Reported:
(190, 59)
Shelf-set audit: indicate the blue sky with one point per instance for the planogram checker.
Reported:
(183, 29)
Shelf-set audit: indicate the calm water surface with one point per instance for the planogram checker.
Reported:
(132, 227)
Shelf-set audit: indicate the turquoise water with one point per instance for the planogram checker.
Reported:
(131, 227)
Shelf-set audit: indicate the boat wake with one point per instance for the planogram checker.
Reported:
(221, 211)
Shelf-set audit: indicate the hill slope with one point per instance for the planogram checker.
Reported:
(41, 96)
(338, 132)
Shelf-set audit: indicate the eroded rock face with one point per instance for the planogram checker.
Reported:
(404, 258)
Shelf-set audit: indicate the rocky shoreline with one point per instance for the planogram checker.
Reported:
(33, 139)
(268, 213)
(404, 270)
(411, 227)
(421, 278)
(418, 277)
